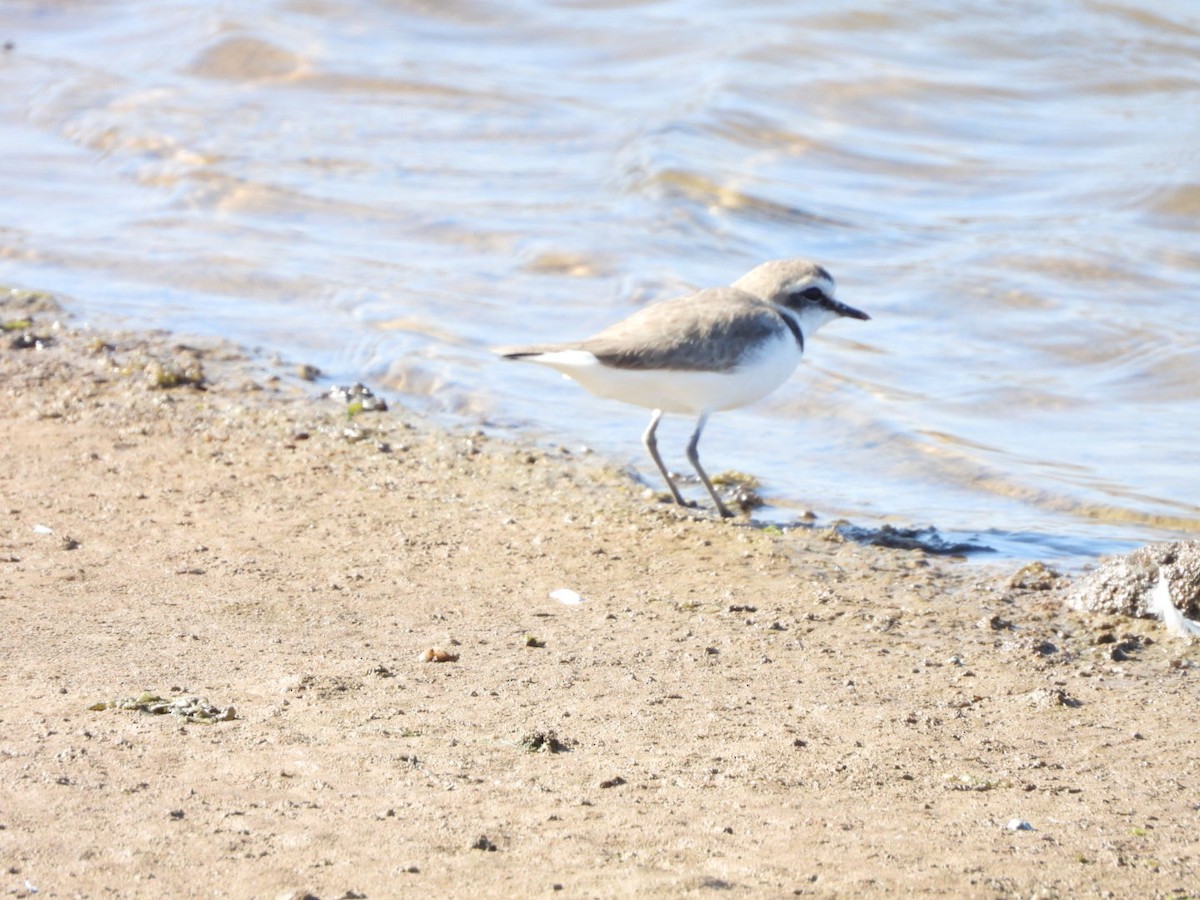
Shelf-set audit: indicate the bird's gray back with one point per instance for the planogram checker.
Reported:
(711, 330)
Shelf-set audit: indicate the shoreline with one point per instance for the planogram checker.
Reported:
(728, 708)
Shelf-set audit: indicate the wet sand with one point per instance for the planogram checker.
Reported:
(730, 710)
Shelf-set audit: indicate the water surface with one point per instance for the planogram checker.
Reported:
(388, 189)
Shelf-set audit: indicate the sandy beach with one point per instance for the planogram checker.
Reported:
(393, 703)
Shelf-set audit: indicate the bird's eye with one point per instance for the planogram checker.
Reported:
(813, 293)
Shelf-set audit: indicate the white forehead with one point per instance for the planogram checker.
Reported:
(820, 281)
(815, 277)
(785, 276)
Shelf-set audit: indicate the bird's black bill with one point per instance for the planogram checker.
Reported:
(849, 311)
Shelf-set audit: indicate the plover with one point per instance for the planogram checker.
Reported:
(717, 349)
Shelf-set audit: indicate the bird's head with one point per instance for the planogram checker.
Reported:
(803, 288)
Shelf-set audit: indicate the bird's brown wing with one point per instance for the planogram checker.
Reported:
(707, 331)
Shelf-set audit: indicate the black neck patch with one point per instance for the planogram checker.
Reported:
(794, 329)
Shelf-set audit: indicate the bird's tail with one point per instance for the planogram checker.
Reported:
(523, 352)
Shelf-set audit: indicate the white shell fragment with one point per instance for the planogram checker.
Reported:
(566, 596)
(1159, 603)
(1018, 825)
(42, 529)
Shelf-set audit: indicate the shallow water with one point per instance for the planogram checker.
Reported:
(388, 189)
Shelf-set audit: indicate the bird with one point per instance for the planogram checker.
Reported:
(717, 349)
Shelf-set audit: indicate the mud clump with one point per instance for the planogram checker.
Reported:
(1123, 585)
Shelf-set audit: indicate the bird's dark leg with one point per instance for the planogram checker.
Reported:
(651, 443)
(693, 455)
